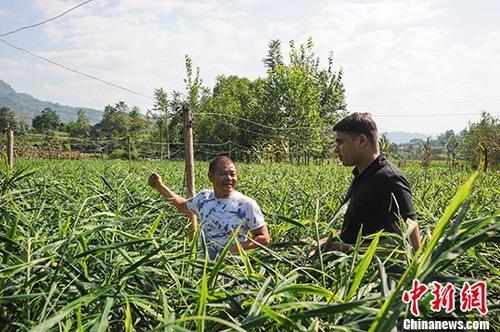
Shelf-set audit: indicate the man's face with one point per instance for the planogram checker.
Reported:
(224, 178)
(347, 148)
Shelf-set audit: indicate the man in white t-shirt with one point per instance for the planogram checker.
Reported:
(220, 210)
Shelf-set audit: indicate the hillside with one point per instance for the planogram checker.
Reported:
(400, 137)
(24, 104)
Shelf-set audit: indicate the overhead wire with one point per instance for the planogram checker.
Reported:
(256, 123)
(430, 103)
(221, 114)
(46, 21)
(73, 138)
(74, 70)
(426, 115)
(93, 77)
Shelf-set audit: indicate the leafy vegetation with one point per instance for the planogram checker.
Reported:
(478, 143)
(299, 93)
(86, 245)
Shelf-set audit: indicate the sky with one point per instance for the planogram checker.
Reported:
(416, 65)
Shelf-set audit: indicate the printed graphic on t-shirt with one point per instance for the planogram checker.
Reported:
(220, 217)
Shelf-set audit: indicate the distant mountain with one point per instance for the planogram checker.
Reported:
(400, 137)
(24, 104)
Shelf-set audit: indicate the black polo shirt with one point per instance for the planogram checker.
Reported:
(378, 198)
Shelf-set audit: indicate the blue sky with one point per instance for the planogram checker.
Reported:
(406, 62)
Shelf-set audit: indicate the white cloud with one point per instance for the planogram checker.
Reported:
(350, 15)
(55, 34)
(151, 6)
(13, 68)
(393, 52)
(51, 8)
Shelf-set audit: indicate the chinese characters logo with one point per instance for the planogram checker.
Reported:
(443, 297)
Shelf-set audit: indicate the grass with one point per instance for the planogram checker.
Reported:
(86, 245)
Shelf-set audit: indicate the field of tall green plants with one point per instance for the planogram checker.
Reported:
(87, 245)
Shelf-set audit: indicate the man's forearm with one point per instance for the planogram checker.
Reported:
(415, 237)
(176, 200)
(251, 244)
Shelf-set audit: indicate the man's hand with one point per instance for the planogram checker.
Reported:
(259, 236)
(313, 251)
(415, 237)
(155, 180)
(179, 202)
(326, 245)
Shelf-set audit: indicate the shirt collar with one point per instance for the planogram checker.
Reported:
(373, 167)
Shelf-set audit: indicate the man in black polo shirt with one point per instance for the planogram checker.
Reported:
(379, 196)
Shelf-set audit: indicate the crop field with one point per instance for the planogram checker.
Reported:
(87, 245)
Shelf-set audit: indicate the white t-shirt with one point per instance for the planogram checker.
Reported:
(220, 217)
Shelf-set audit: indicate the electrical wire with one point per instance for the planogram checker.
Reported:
(425, 115)
(430, 103)
(46, 21)
(256, 123)
(74, 70)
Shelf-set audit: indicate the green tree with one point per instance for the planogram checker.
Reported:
(274, 57)
(137, 123)
(451, 148)
(481, 141)
(443, 138)
(175, 124)
(81, 127)
(233, 100)
(115, 121)
(23, 123)
(298, 94)
(296, 104)
(162, 119)
(332, 93)
(47, 120)
(301, 94)
(193, 84)
(7, 119)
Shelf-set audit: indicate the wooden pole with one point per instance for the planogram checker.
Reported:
(10, 147)
(129, 151)
(161, 141)
(168, 136)
(187, 118)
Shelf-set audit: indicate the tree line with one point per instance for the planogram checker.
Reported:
(287, 115)
(478, 144)
(296, 92)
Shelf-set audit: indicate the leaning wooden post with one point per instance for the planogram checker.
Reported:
(10, 147)
(187, 118)
(129, 151)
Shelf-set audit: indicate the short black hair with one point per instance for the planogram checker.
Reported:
(216, 160)
(357, 124)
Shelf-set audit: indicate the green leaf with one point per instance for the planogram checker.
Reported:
(67, 309)
(128, 317)
(305, 289)
(463, 192)
(361, 268)
(108, 247)
(220, 259)
(103, 323)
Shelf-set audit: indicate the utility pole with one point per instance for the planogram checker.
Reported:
(10, 147)
(187, 117)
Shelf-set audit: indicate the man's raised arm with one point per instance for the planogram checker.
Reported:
(179, 202)
(415, 238)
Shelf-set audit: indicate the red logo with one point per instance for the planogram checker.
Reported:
(412, 296)
(474, 297)
(443, 297)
